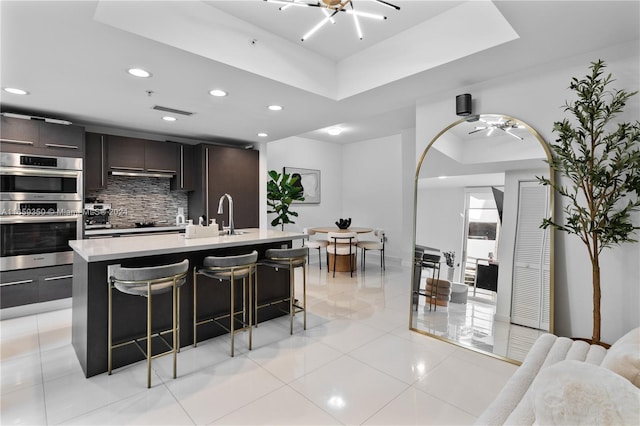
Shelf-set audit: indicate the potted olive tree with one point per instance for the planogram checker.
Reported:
(600, 160)
(282, 190)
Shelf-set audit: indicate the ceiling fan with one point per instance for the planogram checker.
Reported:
(505, 126)
(331, 8)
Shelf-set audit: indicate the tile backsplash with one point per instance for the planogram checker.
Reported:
(141, 199)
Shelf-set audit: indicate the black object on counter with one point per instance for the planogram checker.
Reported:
(145, 224)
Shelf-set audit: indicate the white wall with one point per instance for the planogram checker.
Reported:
(308, 154)
(370, 181)
(536, 96)
(440, 220)
(372, 173)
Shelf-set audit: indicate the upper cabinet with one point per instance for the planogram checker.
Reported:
(183, 181)
(161, 157)
(134, 157)
(95, 170)
(142, 155)
(41, 138)
(126, 154)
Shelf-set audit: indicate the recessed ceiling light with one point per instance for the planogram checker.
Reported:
(139, 72)
(262, 135)
(16, 91)
(168, 118)
(442, 177)
(335, 131)
(217, 92)
(275, 107)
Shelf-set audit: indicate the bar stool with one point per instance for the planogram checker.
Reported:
(227, 269)
(289, 258)
(148, 282)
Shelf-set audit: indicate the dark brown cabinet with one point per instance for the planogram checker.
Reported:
(95, 170)
(141, 155)
(183, 181)
(220, 170)
(126, 154)
(41, 138)
(161, 157)
(26, 286)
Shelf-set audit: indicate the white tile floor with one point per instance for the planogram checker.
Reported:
(472, 324)
(357, 363)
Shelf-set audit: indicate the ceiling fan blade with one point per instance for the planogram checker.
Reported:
(393, 6)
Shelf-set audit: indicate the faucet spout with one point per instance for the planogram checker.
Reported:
(220, 211)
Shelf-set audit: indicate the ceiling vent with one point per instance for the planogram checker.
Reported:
(172, 110)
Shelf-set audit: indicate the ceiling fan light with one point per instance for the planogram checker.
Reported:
(316, 28)
(366, 15)
(358, 29)
(328, 15)
(287, 3)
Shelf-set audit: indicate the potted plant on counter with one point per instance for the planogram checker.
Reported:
(600, 159)
(282, 190)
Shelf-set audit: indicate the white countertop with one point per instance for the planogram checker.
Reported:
(95, 250)
(145, 230)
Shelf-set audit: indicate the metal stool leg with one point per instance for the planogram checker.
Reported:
(304, 294)
(233, 314)
(175, 331)
(110, 331)
(149, 325)
(195, 307)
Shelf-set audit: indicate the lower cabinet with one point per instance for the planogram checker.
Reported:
(26, 286)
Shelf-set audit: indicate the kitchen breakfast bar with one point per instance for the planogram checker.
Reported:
(90, 289)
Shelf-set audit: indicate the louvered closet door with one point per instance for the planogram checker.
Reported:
(531, 269)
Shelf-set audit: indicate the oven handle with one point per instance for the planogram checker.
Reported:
(38, 219)
(24, 171)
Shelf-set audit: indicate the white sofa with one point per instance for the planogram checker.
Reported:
(562, 381)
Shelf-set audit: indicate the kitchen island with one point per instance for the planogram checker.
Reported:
(90, 289)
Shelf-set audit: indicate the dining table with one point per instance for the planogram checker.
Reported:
(333, 228)
(342, 263)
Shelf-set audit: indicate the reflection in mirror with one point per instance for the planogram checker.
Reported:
(483, 266)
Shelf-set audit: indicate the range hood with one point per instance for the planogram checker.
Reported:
(168, 174)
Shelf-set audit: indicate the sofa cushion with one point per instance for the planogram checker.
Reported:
(574, 392)
(623, 357)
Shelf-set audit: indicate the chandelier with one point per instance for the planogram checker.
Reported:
(331, 8)
(505, 126)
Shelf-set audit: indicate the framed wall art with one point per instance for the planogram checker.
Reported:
(309, 179)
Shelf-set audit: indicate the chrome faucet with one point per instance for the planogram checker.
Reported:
(220, 211)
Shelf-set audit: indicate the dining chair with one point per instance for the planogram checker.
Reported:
(316, 244)
(342, 244)
(373, 245)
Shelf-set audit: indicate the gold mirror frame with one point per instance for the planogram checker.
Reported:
(551, 210)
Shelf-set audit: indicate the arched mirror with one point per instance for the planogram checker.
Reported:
(483, 267)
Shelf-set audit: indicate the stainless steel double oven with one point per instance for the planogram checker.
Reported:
(40, 210)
